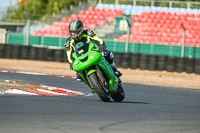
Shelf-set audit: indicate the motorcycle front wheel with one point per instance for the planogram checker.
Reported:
(119, 95)
(101, 91)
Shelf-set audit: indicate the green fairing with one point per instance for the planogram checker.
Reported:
(91, 71)
(94, 58)
(105, 66)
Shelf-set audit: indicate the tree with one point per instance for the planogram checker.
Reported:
(38, 8)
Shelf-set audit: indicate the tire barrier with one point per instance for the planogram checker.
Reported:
(143, 61)
(41, 53)
(171, 64)
(197, 66)
(180, 65)
(162, 62)
(16, 52)
(189, 66)
(152, 64)
(50, 54)
(134, 60)
(118, 59)
(64, 56)
(123, 60)
(8, 51)
(58, 55)
(33, 53)
(2, 50)
(25, 50)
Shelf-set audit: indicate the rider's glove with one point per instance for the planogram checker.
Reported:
(90, 33)
(67, 44)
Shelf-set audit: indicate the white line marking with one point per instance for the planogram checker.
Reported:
(72, 91)
(51, 92)
(32, 73)
(16, 91)
(4, 71)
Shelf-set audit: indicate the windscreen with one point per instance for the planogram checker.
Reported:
(81, 49)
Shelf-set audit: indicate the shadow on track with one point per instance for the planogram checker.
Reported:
(127, 102)
(135, 102)
(132, 102)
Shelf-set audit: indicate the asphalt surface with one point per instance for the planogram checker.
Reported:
(146, 109)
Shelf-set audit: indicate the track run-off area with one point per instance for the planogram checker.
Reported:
(145, 109)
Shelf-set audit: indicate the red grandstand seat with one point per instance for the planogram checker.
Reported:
(64, 20)
(92, 26)
(102, 10)
(56, 23)
(92, 12)
(136, 18)
(87, 13)
(82, 12)
(85, 26)
(123, 39)
(90, 21)
(73, 17)
(118, 39)
(81, 17)
(119, 13)
(70, 20)
(110, 12)
(39, 32)
(110, 19)
(63, 24)
(102, 17)
(90, 17)
(131, 38)
(91, 9)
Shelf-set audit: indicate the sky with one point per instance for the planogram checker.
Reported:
(4, 4)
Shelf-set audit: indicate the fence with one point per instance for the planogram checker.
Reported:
(159, 3)
(151, 49)
(20, 39)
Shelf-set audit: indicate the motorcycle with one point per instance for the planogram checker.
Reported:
(97, 73)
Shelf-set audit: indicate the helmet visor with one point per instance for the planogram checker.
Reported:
(75, 33)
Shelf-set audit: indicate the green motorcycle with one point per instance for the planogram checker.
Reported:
(97, 72)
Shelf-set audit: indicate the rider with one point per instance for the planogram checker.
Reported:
(78, 34)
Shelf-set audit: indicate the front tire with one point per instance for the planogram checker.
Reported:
(119, 95)
(101, 92)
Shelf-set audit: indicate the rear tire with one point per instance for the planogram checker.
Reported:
(119, 95)
(101, 92)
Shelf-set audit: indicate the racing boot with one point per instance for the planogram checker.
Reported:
(78, 77)
(117, 72)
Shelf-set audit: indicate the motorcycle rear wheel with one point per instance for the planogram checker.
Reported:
(101, 91)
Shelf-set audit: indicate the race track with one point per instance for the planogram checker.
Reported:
(146, 109)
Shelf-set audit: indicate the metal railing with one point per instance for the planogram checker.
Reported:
(170, 4)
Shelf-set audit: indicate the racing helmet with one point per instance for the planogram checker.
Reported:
(75, 29)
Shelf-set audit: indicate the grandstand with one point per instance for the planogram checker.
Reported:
(90, 18)
(137, 9)
(150, 24)
(164, 28)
